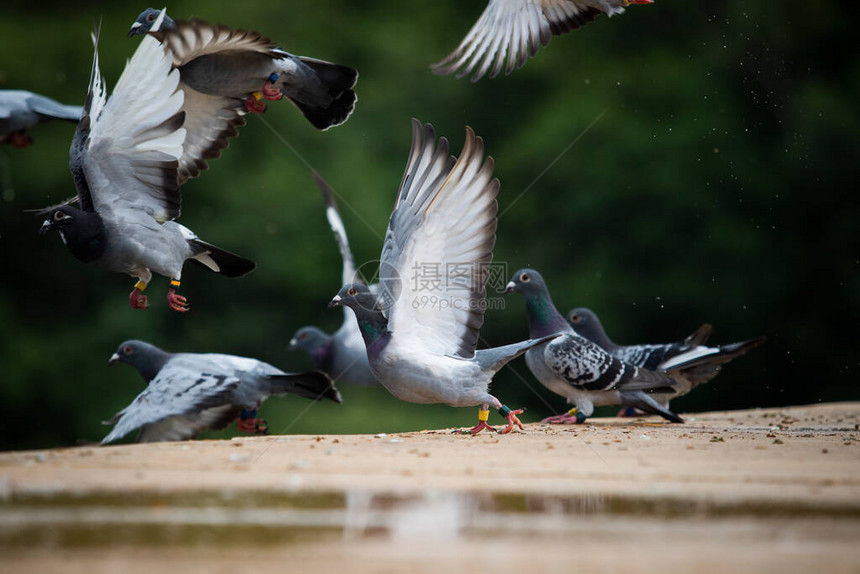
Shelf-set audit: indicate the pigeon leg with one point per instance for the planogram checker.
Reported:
(270, 92)
(20, 139)
(483, 415)
(249, 423)
(254, 105)
(571, 417)
(629, 412)
(176, 301)
(512, 418)
(137, 299)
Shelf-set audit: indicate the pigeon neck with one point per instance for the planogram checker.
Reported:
(596, 334)
(154, 363)
(322, 357)
(374, 330)
(86, 238)
(544, 318)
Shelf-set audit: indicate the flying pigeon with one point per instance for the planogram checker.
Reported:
(693, 362)
(341, 356)
(518, 28)
(124, 160)
(21, 111)
(578, 369)
(189, 393)
(421, 332)
(219, 61)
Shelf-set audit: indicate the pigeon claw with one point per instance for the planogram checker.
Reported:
(270, 92)
(252, 426)
(254, 105)
(565, 419)
(177, 302)
(476, 429)
(137, 300)
(512, 420)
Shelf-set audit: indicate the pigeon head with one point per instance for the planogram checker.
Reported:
(357, 297)
(371, 322)
(526, 282)
(308, 339)
(147, 18)
(585, 322)
(82, 231)
(147, 359)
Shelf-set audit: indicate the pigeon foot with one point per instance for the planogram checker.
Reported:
(177, 302)
(252, 426)
(137, 300)
(20, 140)
(630, 412)
(565, 419)
(512, 419)
(476, 429)
(270, 92)
(254, 105)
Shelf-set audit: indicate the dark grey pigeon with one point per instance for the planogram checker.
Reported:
(421, 332)
(21, 111)
(692, 362)
(341, 356)
(124, 159)
(220, 61)
(578, 369)
(517, 29)
(189, 393)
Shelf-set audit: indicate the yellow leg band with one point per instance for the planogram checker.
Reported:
(174, 283)
(140, 285)
(572, 412)
(483, 415)
(256, 95)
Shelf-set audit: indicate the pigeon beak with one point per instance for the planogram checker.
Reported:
(133, 29)
(113, 359)
(294, 344)
(335, 302)
(510, 287)
(46, 227)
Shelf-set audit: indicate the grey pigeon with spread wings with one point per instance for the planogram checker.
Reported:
(21, 111)
(578, 369)
(517, 29)
(421, 342)
(188, 393)
(693, 362)
(342, 356)
(124, 159)
(217, 61)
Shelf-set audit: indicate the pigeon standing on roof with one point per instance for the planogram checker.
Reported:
(342, 356)
(124, 161)
(578, 369)
(219, 61)
(189, 393)
(517, 29)
(693, 362)
(421, 332)
(21, 110)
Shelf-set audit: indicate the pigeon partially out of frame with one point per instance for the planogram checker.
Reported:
(21, 111)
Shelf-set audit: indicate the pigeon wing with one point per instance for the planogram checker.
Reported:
(130, 154)
(179, 388)
(516, 29)
(186, 427)
(439, 245)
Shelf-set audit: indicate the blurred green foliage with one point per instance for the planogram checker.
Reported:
(711, 176)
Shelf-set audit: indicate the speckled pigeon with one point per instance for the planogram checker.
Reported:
(219, 61)
(691, 361)
(189, 393)
(342, 356)
(421, 332)
(517, 29)
(124, 159)
(578, 369)
(21, 110)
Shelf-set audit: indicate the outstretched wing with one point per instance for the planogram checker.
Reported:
(130, 154)
(586, 366)
(213, 112)
(439, 245)
(516, 29)
(180, 388)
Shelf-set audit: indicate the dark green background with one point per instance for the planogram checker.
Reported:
(718, 185)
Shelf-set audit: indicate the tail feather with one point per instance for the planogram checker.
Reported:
(700, 336)
(220, 260)
(494, 359)
(335, 106)
(643, 402)
(719, 355)
(312, 385)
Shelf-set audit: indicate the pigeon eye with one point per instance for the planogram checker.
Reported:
(127, 349)
(352, 292)
(575, 318)
(150, 18)
(303, 336)
(58, 215)
(525, 278)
